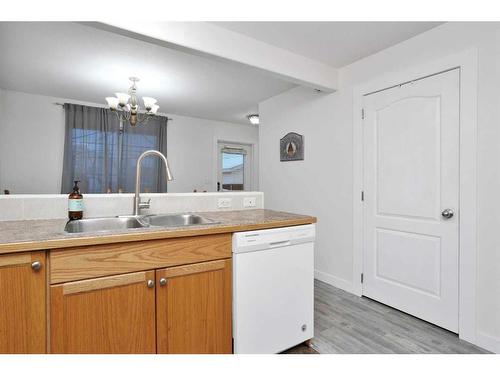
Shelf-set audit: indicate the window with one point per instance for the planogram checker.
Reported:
(233, 166)
(103, 155)
(234, 172)
(90, 164)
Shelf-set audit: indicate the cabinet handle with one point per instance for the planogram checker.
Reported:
(151, 284)
(35, 266)
(163, 281)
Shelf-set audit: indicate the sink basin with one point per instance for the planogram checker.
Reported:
(102, 224)
(130, 222)
(176, 220)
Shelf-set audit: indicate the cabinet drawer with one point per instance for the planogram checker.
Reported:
(86, 262)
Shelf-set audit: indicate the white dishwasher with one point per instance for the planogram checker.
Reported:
(273, 289)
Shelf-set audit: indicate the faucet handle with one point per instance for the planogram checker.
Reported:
(143, 205)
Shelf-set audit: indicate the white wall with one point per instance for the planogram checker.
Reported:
(192, 151)
(31, 143)
(32, 146)
(321, 185)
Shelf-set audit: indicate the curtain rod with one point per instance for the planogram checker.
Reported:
(62, 105)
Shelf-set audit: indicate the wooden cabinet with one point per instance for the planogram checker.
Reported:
(22, 303)
(113, 314)
(193, 308)
(165, 296)
(189, 312)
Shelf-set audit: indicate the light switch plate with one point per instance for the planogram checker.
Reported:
(249, 202)
(224, 202)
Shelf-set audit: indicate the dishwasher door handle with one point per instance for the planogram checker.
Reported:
(278, 243)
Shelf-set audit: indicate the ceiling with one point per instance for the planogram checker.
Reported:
(334, 43)
(79, 62)
(83, 63)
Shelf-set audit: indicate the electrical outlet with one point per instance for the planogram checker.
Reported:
(249, 202)
(224, 202)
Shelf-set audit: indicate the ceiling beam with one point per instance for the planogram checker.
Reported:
(209, 40)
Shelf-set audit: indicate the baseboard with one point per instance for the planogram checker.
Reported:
(334, 281)
(488, 342)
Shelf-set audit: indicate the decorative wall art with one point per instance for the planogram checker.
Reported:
(292, 147)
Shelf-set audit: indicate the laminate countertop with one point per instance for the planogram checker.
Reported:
(25, 235)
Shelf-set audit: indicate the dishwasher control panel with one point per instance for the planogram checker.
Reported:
(262, 239)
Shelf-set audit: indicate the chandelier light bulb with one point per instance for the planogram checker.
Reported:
(122, 98)
(154, 108)
(112, 102)
(149, 102)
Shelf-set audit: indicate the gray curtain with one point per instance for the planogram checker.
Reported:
(103, 157)
(136, 140)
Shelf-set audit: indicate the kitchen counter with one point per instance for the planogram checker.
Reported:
(16, 236)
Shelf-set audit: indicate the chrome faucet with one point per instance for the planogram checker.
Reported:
(138, 205)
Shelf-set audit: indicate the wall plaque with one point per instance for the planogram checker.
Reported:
(292, 147)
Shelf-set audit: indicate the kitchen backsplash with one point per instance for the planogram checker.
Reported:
(48, 206)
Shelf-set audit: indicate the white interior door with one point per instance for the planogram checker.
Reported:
(411, 176)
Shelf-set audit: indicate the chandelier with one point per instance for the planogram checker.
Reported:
(127, 107)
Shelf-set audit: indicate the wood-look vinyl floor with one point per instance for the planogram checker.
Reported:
(345, 323)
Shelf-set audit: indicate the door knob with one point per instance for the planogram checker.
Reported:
(448, 213)
(163, 281)
(150, 283)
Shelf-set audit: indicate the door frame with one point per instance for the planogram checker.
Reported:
(466, 62)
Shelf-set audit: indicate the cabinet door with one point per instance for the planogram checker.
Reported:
(193, 308)
(114, 314)
(22, 303)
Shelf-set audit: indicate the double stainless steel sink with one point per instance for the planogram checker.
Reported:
(138, 221)
(131, 222)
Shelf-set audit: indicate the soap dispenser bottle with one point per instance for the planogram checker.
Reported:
(75, 203)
